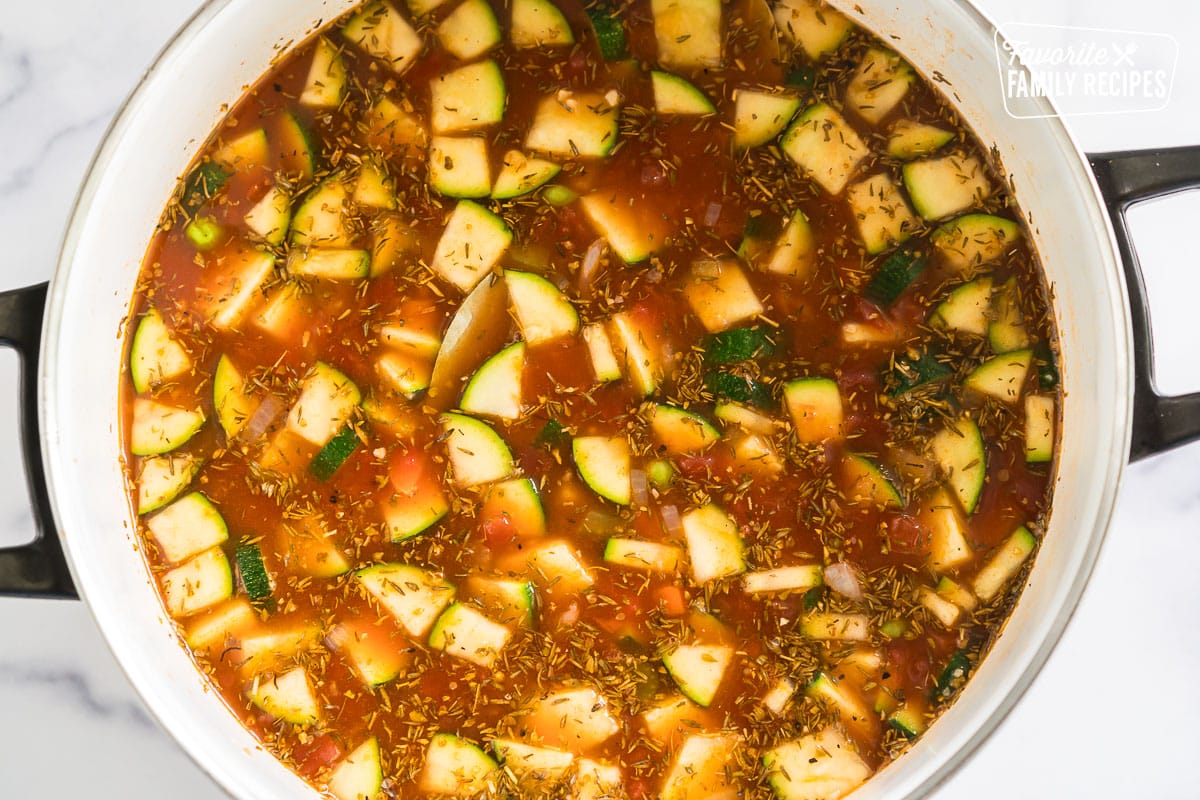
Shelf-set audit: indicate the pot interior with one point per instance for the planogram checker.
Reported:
(227, 46)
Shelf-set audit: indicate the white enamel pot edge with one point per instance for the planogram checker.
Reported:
(164, 122)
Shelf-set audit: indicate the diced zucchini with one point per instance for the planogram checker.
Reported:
(909, 719)
(396, 130)
(251, 149)
(759, 116)
(416, 506)
(521, 174)
(715, 546)
(335, 453)
(637, 351)
(204, 233)
(298, 148)
(815, 405)
(288, 697)
(783, 579)
(641, 555)
(373, 188)
(327, 401)
(795, 250)
(252, 572)
(468, 98)
(556, 566)
(157, 428)
(220, 625)
(609, 32)
(459, 166)
(1007, 330)
(269, 218)
(162, 478)
(813, 25)
(894, 276)
(824, 146)
(575, 124)
(477, 453)
(680, 431)
(415, 597)
(698, 669)
(948, 546)
(974, 240)
(845, 702)
(908, 373)
(321, 219)
(740, 389)
(358, 776)
(720, 294)
(957, 594)
(701, 768)
(312, 551)
(747, 418)
(197, 584)
(471, 245)
(537, 769)
(276, 647)
(755, 455)
(204, 183)
(942, 609)
(865, 482)
(603, 463)
(943, 186)
(235, 289)
(407, 372)
(508, 602)
(967, 308)
(958, 450)
(881, 212)
(517, 503)
(455, 767)
(331, 263)
(539, 23)
(495, 388)
(673, 719)
(632, 235)
(820, 766)
(675, 96)
(600, 349)
(878, 85)
(829, 626)
(575, 719)
(660, 473)
(1039, 428)
(326, 83)
(542, 312)
(596, 781)
(688, 33)
(463, 632)
(381, 31)
(187, 527)
(469, 30)
(1002, 376)
(1004, 563)
(911, 139)
(154, 355)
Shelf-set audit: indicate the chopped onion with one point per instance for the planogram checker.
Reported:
(843, 579)
(639, 487)
(591, 262)
(712, 214)
(671, 520)
(264, 416)
(570, 616)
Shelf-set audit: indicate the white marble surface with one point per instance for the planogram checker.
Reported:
(1111, 716)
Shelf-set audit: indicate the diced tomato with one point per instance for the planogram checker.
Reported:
(907, 535)
(671, 601)
(317, 754)
(908, 661)
(498, 531)
(408, 470)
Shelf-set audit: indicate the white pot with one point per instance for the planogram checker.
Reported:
(230, 43)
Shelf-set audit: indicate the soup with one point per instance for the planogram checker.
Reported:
(539, 399)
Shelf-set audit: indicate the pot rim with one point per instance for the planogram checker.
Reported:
(974, 733)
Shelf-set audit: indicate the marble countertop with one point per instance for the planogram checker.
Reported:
(1111, 715)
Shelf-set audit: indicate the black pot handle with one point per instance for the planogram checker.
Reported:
(37, 569)
(1159, 423)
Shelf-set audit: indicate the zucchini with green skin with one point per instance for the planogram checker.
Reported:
(414, 596)
(948, 545)
(197, 584)
(204, 233)
(537, 769)
(471, 244)
(737, 344)
(495, 388)
(967, 308)
(331, 263)
(298, 147)
(815, 406)
(326, 403)
(521, 174)
(680, 431)
(794, 254)
(642, 555)
(1001, 377)
(465, 633)
(252, 572)
(157, 428)
(1039, 428)
(576, 719)
(817, 28)
(321, 218)
(336, 451)
(867, 483)
(698, 670)
(270, 217)
(700, 768)
(881, 213)
(600, 349)
(459, 166)
(470, 30)
(714, 543)
(899, 270)
(360, 774)
(205, 182)
(943, 186)
(908, 374)
(539, 23)
(1007, 332)
(381, 31)
(575, 125)
(758, 117)
(187, 527)
(248, 150)
(609, 32)
(975, 240)
(288, 697)
(783, 579)
(878, 85)
(1004, 564)
(325, 86)
(516, 504)
(674, 96)
(959, 452)
(720, 294)
(728, 386)
(455, 767)
(506, 601)
(604, 464)
(543, 313)
(632, 236)
(468, 98)
(825, 147)
(688, 33)
(162, 478)
(477, 453)
(154, 355)
(911, 139)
